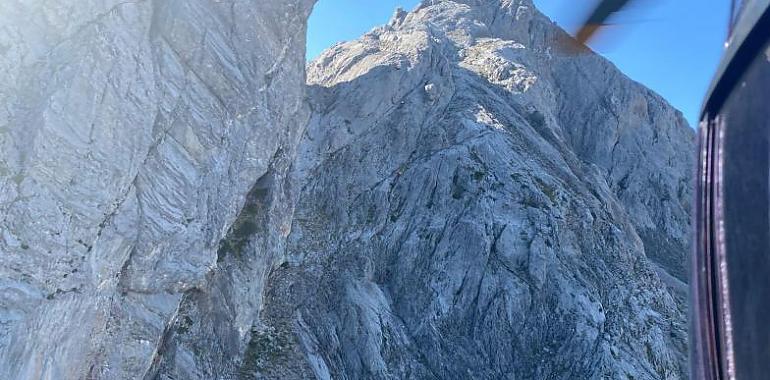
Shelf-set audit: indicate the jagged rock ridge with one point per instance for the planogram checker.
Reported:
(479, 200)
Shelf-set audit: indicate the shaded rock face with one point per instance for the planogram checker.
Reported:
(142, 144)
(477, 201)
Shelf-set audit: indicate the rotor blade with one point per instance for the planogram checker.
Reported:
(598, 18)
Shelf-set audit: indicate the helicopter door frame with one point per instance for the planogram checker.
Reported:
(730, 266)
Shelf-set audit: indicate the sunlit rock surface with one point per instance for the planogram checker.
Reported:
(481, 200)
(471, 198)
(132, 134)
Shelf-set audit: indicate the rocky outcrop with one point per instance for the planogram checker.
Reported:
(480, 200)
(472, 199)
(141, 144)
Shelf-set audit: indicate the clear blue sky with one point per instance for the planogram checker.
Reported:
(671, 46)
(344, 20)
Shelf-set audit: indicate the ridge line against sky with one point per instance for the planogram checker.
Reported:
(671, 46)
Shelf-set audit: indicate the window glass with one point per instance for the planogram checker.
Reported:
(744, 174)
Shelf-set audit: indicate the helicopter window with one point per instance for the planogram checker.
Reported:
(744, 121)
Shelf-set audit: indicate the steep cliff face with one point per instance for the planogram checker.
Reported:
(479, 201)
(471, 199)
(132, 134)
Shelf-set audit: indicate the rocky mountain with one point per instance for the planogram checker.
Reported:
(458, 194)
(131, 135)
(479, 200)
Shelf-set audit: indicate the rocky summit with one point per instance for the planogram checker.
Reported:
(459, 194)
(480, 200)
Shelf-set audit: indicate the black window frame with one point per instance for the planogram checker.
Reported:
(712, 328)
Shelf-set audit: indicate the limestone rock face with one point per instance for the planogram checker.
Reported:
(136, 138)
(478, 200)
(458, 194)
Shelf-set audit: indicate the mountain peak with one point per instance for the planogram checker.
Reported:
(482, 178)
(470, 19)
